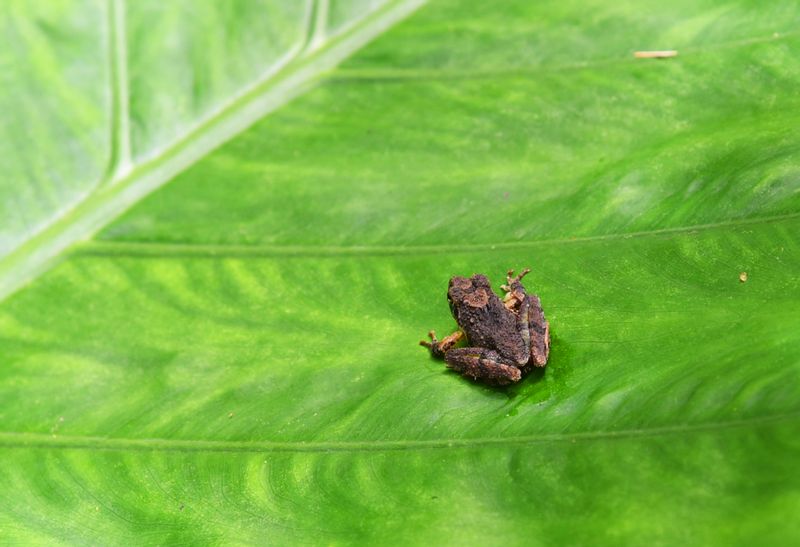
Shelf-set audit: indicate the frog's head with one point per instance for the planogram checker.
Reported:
(468, 293)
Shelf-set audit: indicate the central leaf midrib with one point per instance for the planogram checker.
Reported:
(76, 442)
(113, 197)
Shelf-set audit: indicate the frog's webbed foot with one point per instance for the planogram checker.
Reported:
(440, 347)
(483, 365)
(512, 279)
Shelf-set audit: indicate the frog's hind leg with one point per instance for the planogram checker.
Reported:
(482, 364)
(440, 347)
(538, 330)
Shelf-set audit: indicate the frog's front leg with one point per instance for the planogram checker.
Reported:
(482, 364)
(440, 347)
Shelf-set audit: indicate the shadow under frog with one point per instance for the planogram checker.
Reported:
(507, 339)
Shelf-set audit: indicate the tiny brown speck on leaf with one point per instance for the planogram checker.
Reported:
(743, 277)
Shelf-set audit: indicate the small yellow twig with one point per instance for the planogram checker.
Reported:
(663, 54)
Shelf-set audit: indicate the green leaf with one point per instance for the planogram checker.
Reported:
(234, 359)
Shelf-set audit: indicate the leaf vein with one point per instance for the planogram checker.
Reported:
(222, 250)
(17, 440)
(389, 74)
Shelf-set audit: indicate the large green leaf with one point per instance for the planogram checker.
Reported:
(234, 359)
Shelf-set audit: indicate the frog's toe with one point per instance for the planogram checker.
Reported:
(511, 278)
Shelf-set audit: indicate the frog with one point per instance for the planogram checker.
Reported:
(506, 339)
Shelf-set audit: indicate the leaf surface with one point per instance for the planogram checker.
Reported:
(235, 359)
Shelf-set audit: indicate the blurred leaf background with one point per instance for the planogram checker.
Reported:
(212, 295)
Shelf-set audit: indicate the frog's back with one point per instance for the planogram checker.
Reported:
(483, 317)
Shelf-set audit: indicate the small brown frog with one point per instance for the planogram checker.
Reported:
(506, 338)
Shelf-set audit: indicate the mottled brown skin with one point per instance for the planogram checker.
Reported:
(506, 339)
